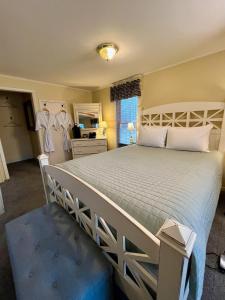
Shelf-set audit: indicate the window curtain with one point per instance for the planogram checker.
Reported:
(125, 90)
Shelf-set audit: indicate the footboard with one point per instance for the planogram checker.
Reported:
(146, 266)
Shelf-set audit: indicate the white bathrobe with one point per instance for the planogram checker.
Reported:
(46, 120)
(64, 120)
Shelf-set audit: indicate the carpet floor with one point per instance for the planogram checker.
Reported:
(24, 192)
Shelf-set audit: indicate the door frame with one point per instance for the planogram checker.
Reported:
(35, 103)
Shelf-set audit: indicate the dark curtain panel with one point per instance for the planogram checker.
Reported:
(125, 90)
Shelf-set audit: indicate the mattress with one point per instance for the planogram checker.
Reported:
(153, 184)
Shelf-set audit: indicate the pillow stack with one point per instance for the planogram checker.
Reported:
(178, 138)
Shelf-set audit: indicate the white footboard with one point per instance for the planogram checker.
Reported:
(147, 266)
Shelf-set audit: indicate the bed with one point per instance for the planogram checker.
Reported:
(144, 206)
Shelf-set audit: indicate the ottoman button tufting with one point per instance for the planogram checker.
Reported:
(76, 237)
(78, 262)
(37, 246)
(55, 284)
(30, 275)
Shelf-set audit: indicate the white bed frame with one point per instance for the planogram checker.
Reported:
(112, 228)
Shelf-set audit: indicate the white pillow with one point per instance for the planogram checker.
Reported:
(189, 138)
(154, 136)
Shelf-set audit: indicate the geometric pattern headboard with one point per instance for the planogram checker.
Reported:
(190, 114)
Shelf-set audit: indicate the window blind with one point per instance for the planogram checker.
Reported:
(126, 110)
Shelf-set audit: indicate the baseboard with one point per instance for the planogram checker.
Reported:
(20, 160)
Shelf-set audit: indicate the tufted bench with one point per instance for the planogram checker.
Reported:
(53, 258)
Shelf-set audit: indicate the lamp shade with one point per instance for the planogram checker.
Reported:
(130, 126)
(103, 124)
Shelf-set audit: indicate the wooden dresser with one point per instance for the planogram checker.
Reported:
(84, 147)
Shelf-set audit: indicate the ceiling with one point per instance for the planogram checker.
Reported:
(55, 40)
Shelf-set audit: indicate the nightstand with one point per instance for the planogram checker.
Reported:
(84, 147)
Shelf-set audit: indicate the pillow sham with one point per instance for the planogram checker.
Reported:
(152, 136)
(189, 138)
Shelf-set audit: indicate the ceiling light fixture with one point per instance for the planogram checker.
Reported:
(107, 51)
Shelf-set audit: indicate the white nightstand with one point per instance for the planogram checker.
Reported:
(84, 147)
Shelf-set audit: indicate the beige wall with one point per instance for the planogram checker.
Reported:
(45, 91)
(198, 80)
(108, 114)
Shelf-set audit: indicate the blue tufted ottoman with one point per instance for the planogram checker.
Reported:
(53, 258)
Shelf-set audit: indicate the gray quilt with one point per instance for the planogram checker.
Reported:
(153, 184)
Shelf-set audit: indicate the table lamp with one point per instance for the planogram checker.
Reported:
(103, 125)
(130, 127)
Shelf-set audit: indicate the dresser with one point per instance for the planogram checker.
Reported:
(84, 147)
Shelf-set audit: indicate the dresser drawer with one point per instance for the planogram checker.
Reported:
(89, 150)
(79, 155)
(84, 147)
(89, 143)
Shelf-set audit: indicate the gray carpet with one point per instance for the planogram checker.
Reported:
(214, 285)
(24, 192)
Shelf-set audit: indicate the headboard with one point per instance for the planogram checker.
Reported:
(190, 114)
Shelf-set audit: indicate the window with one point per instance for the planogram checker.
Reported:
(126, 110)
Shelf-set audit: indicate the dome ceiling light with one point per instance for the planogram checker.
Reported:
(107, 51)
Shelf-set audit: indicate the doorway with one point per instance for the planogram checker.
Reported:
(17, 128)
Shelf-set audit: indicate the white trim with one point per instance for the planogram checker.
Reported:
(23, 159)
(11, 89)
(44, 82)
(95, 107)
(35, 105)
(42, 102)
(181, 62)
